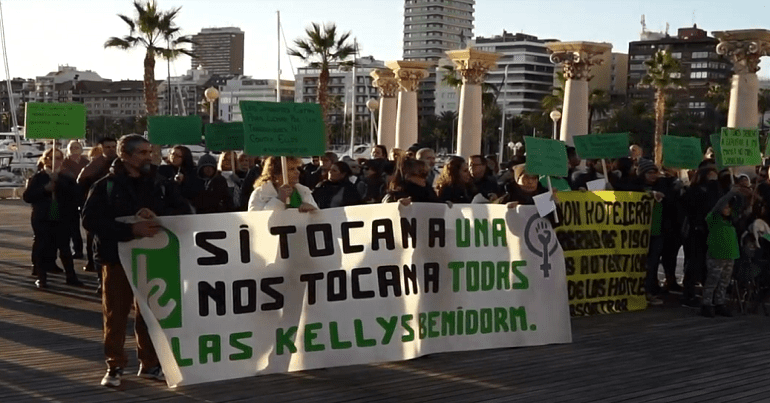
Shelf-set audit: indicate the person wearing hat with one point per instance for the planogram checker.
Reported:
(523, 188)
(215, 196)
(664, 228)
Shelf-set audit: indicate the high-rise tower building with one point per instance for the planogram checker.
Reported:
(219, 50)
(431, 28)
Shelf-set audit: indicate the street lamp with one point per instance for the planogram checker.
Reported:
(555, 116)
(211, 95)
(372, 104)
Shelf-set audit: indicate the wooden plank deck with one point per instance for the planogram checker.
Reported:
(50, 350)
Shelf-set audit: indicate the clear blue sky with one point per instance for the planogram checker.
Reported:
(42, 34)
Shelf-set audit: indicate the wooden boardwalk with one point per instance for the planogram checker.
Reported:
(50, 350)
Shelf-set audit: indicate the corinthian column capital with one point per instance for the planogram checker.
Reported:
(473, 64)
(386, 82)
(577, 58)
(744, 48)
(409, 73)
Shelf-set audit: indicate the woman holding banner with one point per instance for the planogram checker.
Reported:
(337, 190)
(523, 188)
(411, 184)
(181, 168)
(54, 204)
(454, 183)
(271, 192)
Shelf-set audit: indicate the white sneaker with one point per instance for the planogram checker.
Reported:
(112, 378)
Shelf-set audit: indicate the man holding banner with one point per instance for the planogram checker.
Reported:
(131, 189)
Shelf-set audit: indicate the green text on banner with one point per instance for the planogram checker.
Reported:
(55, 121)
(602, 146)
(546, 157)
(681, 152)
(283, 129)
(224, 136)
(740, 147)
(169, 130)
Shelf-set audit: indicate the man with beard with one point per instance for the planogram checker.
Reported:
(132, 188)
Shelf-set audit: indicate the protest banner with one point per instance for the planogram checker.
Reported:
(605, 237)
(170, 130)
(283, 129)
(601, 146)
(224, 136)
(546, 157)
(740, 147)
(54, 120)
(681, 152)
(243, 294)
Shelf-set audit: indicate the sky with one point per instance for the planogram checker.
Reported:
(43, 34)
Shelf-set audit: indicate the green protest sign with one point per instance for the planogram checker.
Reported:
(681, 152)
(715, 145)
(283, 129)
(558, 183)
(602, 146)
(546, 157)
(55, 121)
(169, 130)
(224, 136)
(740, 147)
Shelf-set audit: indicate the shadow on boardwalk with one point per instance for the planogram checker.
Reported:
(50, 349)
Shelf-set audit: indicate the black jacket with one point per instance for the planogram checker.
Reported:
(419, 194)
(456, 194)
(191, 185)
(329, 194)
(119, 195)
(67, 198)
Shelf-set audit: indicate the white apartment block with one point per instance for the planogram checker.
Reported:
(249, 89)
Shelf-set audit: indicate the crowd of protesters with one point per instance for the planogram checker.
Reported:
(715, 216)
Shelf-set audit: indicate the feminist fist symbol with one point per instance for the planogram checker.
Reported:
(544, 236)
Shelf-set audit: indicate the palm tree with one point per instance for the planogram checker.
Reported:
(321, 48)
(663, 72)
(148, 29)
(555, 101)
(598, 105)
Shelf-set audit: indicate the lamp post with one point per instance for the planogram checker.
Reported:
(555, 116)
(211, 95)
(372, 104)
(502, 128)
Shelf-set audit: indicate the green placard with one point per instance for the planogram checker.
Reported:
(740, 147)
(602, 146)
(170, 130)
(224, 136)
(681, 152)
(558, 183)
(715, 145)
(546, 157)
(55, 121)
(283, 129)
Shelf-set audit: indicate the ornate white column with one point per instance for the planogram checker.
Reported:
(473, 65)
(744, 48)
(385, 81)
(408, 74)
(577, 59)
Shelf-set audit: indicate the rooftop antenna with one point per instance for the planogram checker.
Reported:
(644, 26)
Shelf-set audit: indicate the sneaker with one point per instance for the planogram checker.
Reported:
(707, 311)
(155, 372)
(722, 310)
(112, 377)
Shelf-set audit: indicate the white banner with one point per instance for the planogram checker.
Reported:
(242, 294)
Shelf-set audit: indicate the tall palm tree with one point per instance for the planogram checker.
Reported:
(320, 48)
(598, 105)
(148, 29)
(663, 72)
